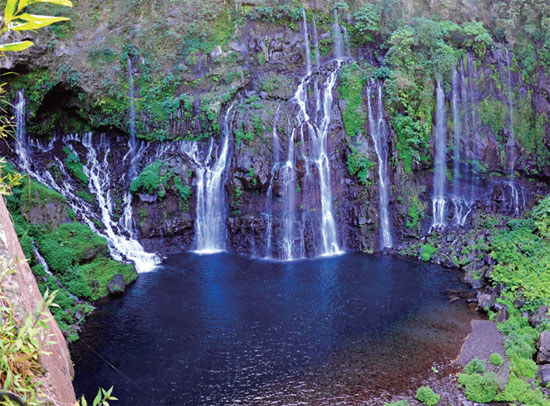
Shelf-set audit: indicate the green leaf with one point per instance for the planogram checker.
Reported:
(60, 2)
(98, 398)
(34, 22)
(9, 379)
(16, 46)
(9, 11)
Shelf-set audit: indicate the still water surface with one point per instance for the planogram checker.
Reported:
(228, 330)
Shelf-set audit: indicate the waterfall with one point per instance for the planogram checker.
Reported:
(459, 103)
(122, 243)
(337, 36)
(511, 140)
(440, 175)
(456, 135)
(306, 42)
(121, 240)
(347, 51)
(210, 221)
(378, 132)
(318, 135)
(288, 177)
(514, 193)
(316, 43)
(269, 196)
(21, 146)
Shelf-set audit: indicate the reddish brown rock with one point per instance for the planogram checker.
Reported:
(22, 292)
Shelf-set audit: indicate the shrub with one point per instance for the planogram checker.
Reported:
(426, 395)
(479, 388)
(427, 251)
(475, 366)
(366, 23)
(496, 359)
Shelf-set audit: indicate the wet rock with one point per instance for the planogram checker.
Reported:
(502, 315)
(543, 356)
(538, 316)
(502, 375)
(519, 302)
(486, 301)
(544, 374)
(117, 285)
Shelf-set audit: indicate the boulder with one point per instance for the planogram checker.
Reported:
(543, 356)
(502, 315)
(538, 316)
(544, 374)
(117, 285)
(486, 301)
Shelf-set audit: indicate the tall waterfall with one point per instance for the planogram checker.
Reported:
(316, 43)
(21, 145)
(511, 157)
(211, 214)
(306, 42)
(131, 96)
(317, 133)
(337, 37)
(288, 178)
(378, 131)
(440, 175)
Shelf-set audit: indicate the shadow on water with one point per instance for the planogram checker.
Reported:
(226, 329)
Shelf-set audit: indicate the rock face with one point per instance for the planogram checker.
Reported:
(23, 294)
(543, 356)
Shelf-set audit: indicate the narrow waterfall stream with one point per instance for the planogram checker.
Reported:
(316, 43)
(307, 44)
(511, 146)
(211, 212)
(440, 176)
(378, 131)
(337, 39)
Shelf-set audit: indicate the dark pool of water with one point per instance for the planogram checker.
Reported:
(226, 329)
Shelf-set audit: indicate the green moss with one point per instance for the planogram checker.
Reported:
(74, 166)
(493, 113)
(99, 273)
(33, 193)
(350, 90)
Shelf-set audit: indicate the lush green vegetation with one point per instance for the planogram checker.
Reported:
(351, 90)
(74, 166)
(359, 165)
(78, 258)
(159, 178)
(426, 395)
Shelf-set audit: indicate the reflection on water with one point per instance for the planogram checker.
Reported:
(226, 329)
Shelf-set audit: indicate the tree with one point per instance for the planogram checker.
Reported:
(366, 23)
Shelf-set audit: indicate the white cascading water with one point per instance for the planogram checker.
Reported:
(337, 37)
(269, 197)
(21, 145)
(318, 156)
(288, 179)
(316, 43)
(461, 201)
(514, 193)
(440, 175)
(307, 45)
(121, 239)
(378, 132)
(211, 213)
